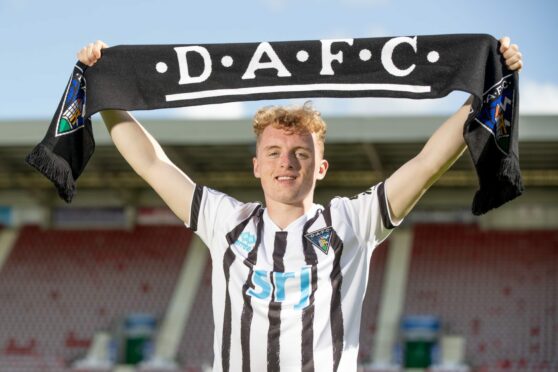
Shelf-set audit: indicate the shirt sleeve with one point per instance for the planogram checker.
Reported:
(369, 214)
(209, 209)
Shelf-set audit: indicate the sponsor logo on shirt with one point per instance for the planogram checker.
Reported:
(290, 287)
(246, 242)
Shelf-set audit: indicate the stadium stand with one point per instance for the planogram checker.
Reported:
(58, 287)
(496, 288)
(372, 302)
(196, 347)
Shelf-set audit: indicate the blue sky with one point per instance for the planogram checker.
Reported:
(39, 40)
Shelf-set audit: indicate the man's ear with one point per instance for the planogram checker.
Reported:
(256, 167)
(324, 165)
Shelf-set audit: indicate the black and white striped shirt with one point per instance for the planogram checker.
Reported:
(289, 299)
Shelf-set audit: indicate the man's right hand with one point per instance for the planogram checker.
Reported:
(91, 53)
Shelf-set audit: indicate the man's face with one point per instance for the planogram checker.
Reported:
(288, 165)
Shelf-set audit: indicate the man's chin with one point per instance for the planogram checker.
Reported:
(290, 200)
(294, 196)
(285, 198)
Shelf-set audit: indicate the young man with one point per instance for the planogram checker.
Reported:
(289, 278)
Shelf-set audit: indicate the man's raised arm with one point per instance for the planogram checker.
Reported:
(406, 186)
(143, 152)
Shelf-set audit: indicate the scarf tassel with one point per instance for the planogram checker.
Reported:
(47, 162)
(506, 186)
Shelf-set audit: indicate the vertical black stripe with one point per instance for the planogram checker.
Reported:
(226, 345)
(280, 246)
(384, 207)
(336, 311)
(274, 314)
(195, 207)
(228, 260)
(247, 310)
(307, 336)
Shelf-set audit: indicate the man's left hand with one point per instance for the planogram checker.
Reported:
(511, 53)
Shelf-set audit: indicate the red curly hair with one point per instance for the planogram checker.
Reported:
(295, 119)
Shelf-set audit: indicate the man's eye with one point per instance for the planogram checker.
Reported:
(273, 153)
(302, 155)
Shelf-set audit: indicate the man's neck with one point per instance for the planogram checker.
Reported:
(283, 215)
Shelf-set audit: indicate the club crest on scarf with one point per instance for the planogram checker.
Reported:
(71, 116)
(496, 112)
(321, 239)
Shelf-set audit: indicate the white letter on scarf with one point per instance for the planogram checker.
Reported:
(328, 57)
(387, 55)
(257, 64)
(185, 77)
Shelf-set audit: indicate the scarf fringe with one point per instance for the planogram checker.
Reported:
(507, 186)
(55, 168)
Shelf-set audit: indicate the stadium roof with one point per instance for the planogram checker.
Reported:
(217, 153)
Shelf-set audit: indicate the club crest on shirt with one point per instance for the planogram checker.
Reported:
(321, 239)
(497, 110)
(71, 117)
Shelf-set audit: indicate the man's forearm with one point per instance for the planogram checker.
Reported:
(135, 144)
(446, 144)
(147, 158)
(407, 185)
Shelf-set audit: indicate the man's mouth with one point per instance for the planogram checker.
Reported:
(285, 178)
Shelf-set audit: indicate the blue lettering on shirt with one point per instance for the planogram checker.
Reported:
(263, 286)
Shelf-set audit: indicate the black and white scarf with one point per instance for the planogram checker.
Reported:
(140, 77)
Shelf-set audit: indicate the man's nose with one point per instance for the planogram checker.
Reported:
(287, 160)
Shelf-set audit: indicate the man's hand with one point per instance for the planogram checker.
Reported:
(511, 54)
(91, 53)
